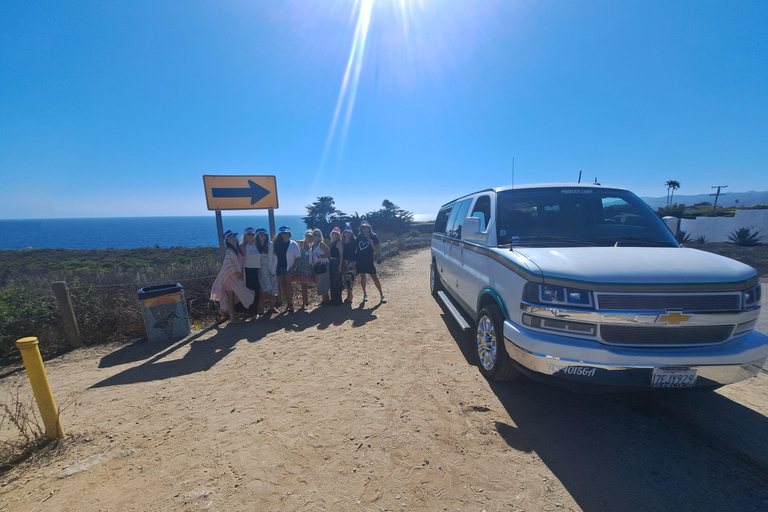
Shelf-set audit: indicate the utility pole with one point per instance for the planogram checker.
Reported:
(717, 194)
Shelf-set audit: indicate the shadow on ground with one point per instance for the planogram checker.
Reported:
(205, 350)
(637, 451)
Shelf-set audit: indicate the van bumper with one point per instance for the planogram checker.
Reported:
(590, 362)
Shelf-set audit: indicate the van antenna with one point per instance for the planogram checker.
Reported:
(579, 177)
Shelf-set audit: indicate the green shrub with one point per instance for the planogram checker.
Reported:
(103, 287)
(24, 314)
(683, 237)
(745, 237)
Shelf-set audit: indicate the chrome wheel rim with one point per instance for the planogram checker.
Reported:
(486, 343)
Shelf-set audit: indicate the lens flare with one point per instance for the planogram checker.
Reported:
(348, 92)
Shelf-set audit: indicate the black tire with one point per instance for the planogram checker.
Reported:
(493, 360)
(435, 285)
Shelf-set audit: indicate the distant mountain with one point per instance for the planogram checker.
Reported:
(726, 199)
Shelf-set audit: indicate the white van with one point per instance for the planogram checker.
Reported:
(584, 283)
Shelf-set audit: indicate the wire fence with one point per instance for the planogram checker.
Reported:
(106, 311)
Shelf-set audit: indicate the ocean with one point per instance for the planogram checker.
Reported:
(131, 232)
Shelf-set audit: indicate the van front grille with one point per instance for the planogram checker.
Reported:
(691, 335)
(685, 302)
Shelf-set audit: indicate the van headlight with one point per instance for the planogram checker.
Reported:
(540, 293)
(751, 297)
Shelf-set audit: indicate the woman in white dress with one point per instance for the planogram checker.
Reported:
(320, 255)
(267, 271)
(229, 286)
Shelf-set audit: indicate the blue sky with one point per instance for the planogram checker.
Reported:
(118, 108)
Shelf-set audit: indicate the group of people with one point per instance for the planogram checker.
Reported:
(259, 273)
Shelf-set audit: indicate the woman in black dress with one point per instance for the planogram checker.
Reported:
(349, 245)
(367, 248)
(335, 266)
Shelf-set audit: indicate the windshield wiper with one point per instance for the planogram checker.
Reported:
(619, 241)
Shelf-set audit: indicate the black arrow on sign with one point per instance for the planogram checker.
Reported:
(254, 191)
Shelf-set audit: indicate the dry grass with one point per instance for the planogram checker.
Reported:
(20, 432)
(103, 293)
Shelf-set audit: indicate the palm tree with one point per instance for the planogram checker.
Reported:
(671, 185)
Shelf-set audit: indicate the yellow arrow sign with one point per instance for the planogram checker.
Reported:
(240, 192)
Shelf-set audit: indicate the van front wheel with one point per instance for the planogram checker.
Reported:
(495, 363)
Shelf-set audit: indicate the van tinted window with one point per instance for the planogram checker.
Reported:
(442, 220)
(457, 218)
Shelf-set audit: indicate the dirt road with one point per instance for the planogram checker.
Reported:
(374, 407)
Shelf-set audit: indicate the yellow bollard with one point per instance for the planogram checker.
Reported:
(33, 362)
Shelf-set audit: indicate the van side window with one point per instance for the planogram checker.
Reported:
(457, 218)
(442, 220)
(482, 211)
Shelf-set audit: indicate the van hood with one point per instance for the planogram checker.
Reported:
(651, 267)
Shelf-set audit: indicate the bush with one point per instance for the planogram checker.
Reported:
(683, 237)
(24, 313)
(673, 210)
(103, 287)
(745, 237)
(23, 433)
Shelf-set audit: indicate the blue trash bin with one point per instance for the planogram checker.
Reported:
(165, 312)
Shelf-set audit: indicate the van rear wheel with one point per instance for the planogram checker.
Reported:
(495, 363)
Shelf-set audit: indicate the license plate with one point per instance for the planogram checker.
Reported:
(673, 377)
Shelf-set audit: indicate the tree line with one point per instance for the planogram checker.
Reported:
(323, 215)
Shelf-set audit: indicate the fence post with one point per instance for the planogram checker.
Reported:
(67, 313)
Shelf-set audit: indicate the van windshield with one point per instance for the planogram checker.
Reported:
(562, 216)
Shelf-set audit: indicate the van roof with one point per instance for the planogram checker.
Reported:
(533, 185)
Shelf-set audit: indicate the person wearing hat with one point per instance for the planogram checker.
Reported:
(349, 250)
(267, 271)
(304, 274)
(288, 253)
(229, 286)
(251, 265)
(367, 248)
(335, 266)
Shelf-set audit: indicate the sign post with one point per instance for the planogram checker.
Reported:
(240, 193)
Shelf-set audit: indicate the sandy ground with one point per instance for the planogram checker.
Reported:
(374, 407)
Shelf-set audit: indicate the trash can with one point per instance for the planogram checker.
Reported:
(165, 312)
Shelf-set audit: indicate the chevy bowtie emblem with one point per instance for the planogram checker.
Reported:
(673, 318)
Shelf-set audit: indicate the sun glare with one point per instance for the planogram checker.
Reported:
(406, 45)
(351, 74)
(345, 102)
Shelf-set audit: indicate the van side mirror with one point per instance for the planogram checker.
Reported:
(470, 230)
